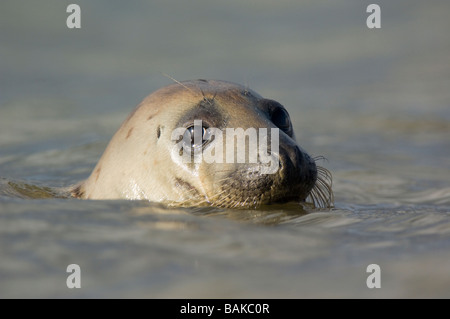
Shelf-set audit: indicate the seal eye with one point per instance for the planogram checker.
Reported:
(189, 136)
(280, 118)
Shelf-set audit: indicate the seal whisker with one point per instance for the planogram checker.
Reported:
(228, 201)
(322, 195)
(318, 198)
(210, 101)
(244, 202)
(178, 82)
(319, 158)
(325, 173)
(218, 203)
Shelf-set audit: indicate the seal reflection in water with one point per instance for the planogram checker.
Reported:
(142, 161)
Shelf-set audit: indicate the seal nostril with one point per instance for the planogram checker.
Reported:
(299, 156)
(291, 157)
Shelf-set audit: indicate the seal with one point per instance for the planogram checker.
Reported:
(146, 160)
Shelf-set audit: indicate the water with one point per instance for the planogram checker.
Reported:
(375, 103)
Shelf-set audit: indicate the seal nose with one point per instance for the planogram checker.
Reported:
(291, 157)
(298, 169)
(291, 160)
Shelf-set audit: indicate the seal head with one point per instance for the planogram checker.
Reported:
(175, 148)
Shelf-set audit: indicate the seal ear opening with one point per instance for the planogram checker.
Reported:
(158, 132)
